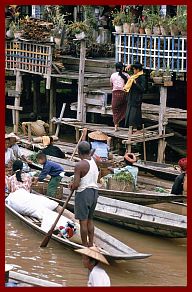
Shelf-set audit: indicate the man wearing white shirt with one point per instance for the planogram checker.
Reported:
(91, 260)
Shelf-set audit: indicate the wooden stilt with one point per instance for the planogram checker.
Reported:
(17, 100)
(162, 112)
(59, 120)
(81, 98)
(144, 144)
(52, 105)
(129, 139)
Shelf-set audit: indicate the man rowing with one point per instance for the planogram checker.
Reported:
(85, 184)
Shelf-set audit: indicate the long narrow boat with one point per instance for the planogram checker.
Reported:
(111, 247)
(139, 218)
(162, 170)
(132, 197)
(21, 280)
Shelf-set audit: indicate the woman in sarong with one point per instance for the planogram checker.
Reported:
(119, 103)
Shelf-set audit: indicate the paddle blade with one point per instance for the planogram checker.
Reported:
(46, 239)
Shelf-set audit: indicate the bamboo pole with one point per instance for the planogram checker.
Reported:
(80, 102)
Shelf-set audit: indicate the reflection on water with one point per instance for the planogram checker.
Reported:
(56, 263)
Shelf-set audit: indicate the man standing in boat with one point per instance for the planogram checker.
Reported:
(85, 183)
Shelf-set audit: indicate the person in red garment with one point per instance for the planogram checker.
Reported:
(85, 184)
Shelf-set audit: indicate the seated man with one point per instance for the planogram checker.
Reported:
(16, 149)
(100, 143)
(38, 127)
(50, 168)
(52, 150)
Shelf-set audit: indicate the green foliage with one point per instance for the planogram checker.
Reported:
(117, 18)
(124, 176)
(33, 157)
(156, 73)
(78, 27)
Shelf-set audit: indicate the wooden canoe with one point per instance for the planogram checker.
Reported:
(162, 170)
(22, 280)
(139, 218)
(111, 247)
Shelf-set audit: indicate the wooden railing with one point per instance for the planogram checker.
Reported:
(152, 51)
(29, 57)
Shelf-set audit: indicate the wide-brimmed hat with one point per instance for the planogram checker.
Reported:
(12, 135)
(8, 267)
(98, 135)
(93, 252)
(45, 141)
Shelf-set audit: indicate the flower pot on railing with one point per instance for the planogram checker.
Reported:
(80, 36)
(156, 30)
(158, 80)
(58, 41)
(132, 28)
(126, 27)
(174, 30)
(10, 33)
(166, 78)
(164, 30)
(136, 28)
(142, 30)
(17, 34)
(148, 31)
(118, 28)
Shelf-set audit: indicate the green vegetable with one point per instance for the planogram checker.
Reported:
(124, 177)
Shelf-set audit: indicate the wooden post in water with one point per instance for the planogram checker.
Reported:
(17, 100)
(81, 110)
(52, 105)
(129, 139)
(162, 112)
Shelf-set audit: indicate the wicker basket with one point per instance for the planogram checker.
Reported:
(117, 185)
(41, 187)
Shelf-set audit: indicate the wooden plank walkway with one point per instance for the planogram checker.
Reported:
(121, 134)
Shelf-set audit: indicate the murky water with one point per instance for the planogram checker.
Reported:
(166, 266)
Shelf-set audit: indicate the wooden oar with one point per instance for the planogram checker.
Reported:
(77, 146)
(46, 239)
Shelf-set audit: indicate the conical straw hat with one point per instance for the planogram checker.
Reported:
(45, 140)
(98, 135)
(12, 135)
(93, 252)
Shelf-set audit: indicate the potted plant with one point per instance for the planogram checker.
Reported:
(164, 26)
(157, 76)
(79, 29)
(173, 25)
(136, 27)
(126, 21)
(182, 24)
(167, 75)
(117, 22)
(156, 27)
(148, 27)
(142, 27)
(16, 29)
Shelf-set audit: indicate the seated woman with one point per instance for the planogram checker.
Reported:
(99, 143)
(180, 184)
(9, 156)
(20, 179)
(38, 127)
(51, 149)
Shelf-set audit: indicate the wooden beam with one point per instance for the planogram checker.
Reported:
(162, 112)
(52, 105)
(59, 120)
(13, 107)
(80, 102)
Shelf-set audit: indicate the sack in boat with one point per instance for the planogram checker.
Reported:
(30, 204)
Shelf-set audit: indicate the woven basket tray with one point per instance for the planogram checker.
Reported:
(116, 185)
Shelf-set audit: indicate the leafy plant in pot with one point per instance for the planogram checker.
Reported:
(142, 26)
(157, 76)
(164, 26)
(126, 19)
(156, 27)
(79, 29)
(182, 24)
(117, 22)
(173, 25)
(167, 75)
